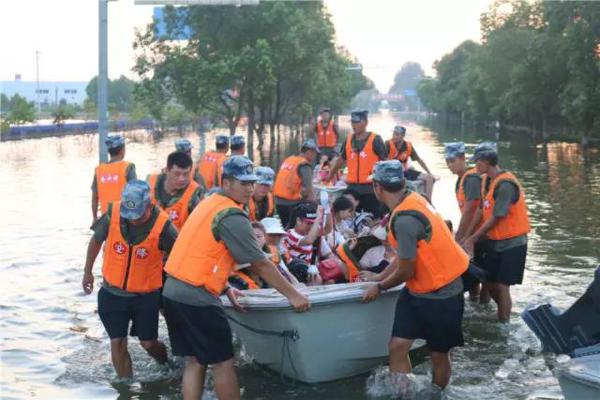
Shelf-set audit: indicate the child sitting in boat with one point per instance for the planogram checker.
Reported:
(310, 258)
(321, 173)
(274, 236)
(244, 279)
(361, 222)
(342, 211)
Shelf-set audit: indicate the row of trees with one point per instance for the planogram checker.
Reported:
(538, 66)
(274, 63)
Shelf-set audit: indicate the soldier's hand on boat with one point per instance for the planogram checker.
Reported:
(87, 283)
(367, 276)
(372, 293)
(300, 302)
(233, 294)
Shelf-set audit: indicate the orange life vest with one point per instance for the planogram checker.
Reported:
(360, 165)
(326, 137)
(460, 193)
(199, 257)
(516, 222)
(134, 268)
(345, 254)
(288, 184)
(249, 281)
(440, 260)
(211, 167)
(111, 178)
(252, 208)
(395, 154)
(178, 212)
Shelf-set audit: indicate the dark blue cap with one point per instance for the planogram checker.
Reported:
(114, 141)
(222, 139)
(484, 149)
(238, 140)
(183, 144)
(359, 115)
(389, 171)
(453, 150)
(310, 144)
(399, 129)
(241, 168)
(135, 199)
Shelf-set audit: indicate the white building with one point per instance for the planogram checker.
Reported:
(49, 92)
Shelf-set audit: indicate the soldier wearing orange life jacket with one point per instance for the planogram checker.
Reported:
(505, 226)
(262, 202)
(137, 239)
(210, 165)
(360, 152)
(173, 191)
(468, 196)
(431, 263)
(293, 184)
(110, 178)
(326, 132)
(216, 240)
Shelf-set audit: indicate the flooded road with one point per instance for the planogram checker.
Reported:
(53, 344)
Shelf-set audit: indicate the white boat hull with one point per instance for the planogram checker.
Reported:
(335, 339)
(581, 379)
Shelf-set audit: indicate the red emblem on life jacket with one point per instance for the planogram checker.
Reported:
(119, 247)
(486, 203)
(141, 253)
(173, 215)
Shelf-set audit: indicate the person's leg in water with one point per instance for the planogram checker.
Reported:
(192, 381)
(226, 383)
(156, 349)
(441, 369)
(120, 357)
(399, 349)
(501, 295)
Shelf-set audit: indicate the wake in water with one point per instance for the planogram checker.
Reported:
(399, 386)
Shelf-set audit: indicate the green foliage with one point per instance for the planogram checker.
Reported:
(21, 110)
(273, 62)
(539, 63)
(120, 93)
(62, 113)
(407, 78)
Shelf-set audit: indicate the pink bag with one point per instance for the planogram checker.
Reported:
(330, 270)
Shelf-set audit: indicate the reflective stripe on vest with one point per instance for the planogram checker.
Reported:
(178, 212)
(360, 165)
(198, 257)
(134, 268)
(210, 167)
(345, 254)
(326, 137)
(461, 198)
(440, 260)
(111, 178)
(252, 208)
(288, 184)
(516, 222)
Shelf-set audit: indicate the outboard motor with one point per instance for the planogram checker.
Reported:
(579, 326)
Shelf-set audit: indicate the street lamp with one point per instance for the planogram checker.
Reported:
(103, 78)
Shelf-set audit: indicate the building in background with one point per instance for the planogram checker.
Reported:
(50, 93)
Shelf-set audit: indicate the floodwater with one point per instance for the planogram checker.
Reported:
(53, 344)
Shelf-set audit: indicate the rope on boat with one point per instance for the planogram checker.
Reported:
(288, 336)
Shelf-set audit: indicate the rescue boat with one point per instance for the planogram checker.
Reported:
(337, 338)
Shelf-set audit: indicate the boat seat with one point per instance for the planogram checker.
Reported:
(578, 326)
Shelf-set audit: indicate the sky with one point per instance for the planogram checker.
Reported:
(382, 34)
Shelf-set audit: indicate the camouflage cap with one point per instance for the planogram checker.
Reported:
(240, 168)
(453, 149)
(484, 149)
(310, 144)
(238, 140)
(324, 109)
(265, 175)
(183, 144)
(400, 129)
(222, 139)
(135, 199)
(389, 171)
(359, 115)
(114, 141)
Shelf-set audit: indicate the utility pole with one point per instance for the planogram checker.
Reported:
(102, 78)
(37, 80)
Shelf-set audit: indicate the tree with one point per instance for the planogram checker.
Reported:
(120, 93)
(21, 110)
(62, 113)
(406, 81)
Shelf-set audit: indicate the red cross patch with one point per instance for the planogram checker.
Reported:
(141, 253)
(119, 247)
(173, 215)
(486, 203)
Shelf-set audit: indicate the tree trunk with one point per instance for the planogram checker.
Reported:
(250, 113)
